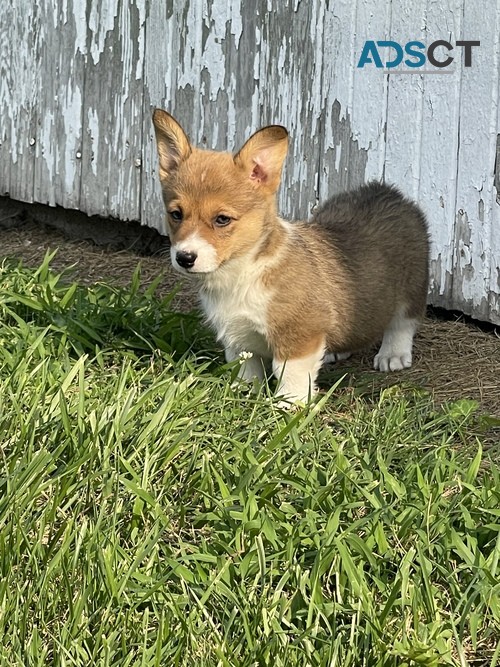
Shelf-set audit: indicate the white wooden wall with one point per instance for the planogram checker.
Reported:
(78, 81)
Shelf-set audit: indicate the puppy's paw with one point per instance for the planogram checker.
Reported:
(386, 362)
(396, 348)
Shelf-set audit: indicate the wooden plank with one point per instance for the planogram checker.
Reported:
(405, 102)
(439, 135)
(287, 70)
(355, 100)
(62, 53)
(113, 107)
(21, 29)
(494, 158)
(475, 264)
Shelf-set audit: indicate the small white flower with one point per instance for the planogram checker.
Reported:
(244, 356)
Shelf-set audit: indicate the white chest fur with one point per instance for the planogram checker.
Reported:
(236, 306)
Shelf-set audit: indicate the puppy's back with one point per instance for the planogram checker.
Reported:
(382, 237)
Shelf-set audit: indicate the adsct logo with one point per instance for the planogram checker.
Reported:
(417, 54)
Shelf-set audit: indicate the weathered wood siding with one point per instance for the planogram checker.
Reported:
(78, 81)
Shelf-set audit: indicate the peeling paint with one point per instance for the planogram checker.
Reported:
(93, 137)
(101, 22)
(480, 211)
(72, 131)
(76, 12)
(349, 159)
(497, 170)
(440, 282)
(464, 253)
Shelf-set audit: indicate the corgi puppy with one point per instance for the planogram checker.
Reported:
(291, 293)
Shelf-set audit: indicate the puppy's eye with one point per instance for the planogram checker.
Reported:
(176, 215)
(222, 220)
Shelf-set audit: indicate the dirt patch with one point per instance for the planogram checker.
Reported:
(453, 358)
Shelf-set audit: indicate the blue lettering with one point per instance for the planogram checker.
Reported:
(370, 55)
(411, 51)
(399, 53)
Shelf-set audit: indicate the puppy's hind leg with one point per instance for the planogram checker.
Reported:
(396, 350)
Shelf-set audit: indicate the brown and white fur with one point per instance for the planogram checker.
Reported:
(291, 293)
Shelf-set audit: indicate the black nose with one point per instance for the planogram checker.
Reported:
(186, 259)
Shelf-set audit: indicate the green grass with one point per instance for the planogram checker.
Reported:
(151, 516)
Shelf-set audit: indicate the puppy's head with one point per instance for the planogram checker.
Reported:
(217, 204)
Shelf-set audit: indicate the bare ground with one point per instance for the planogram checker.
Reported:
(454, 357)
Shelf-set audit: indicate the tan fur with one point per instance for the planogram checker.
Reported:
(290, 291)
(311, 298)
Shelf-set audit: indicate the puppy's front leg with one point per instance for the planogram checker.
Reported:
(251, 365)
(297, 374)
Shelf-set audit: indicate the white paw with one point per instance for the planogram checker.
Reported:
(387, 362)
(396, 348)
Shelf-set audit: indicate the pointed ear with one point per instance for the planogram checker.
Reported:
(171, 141)
(263, 155)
